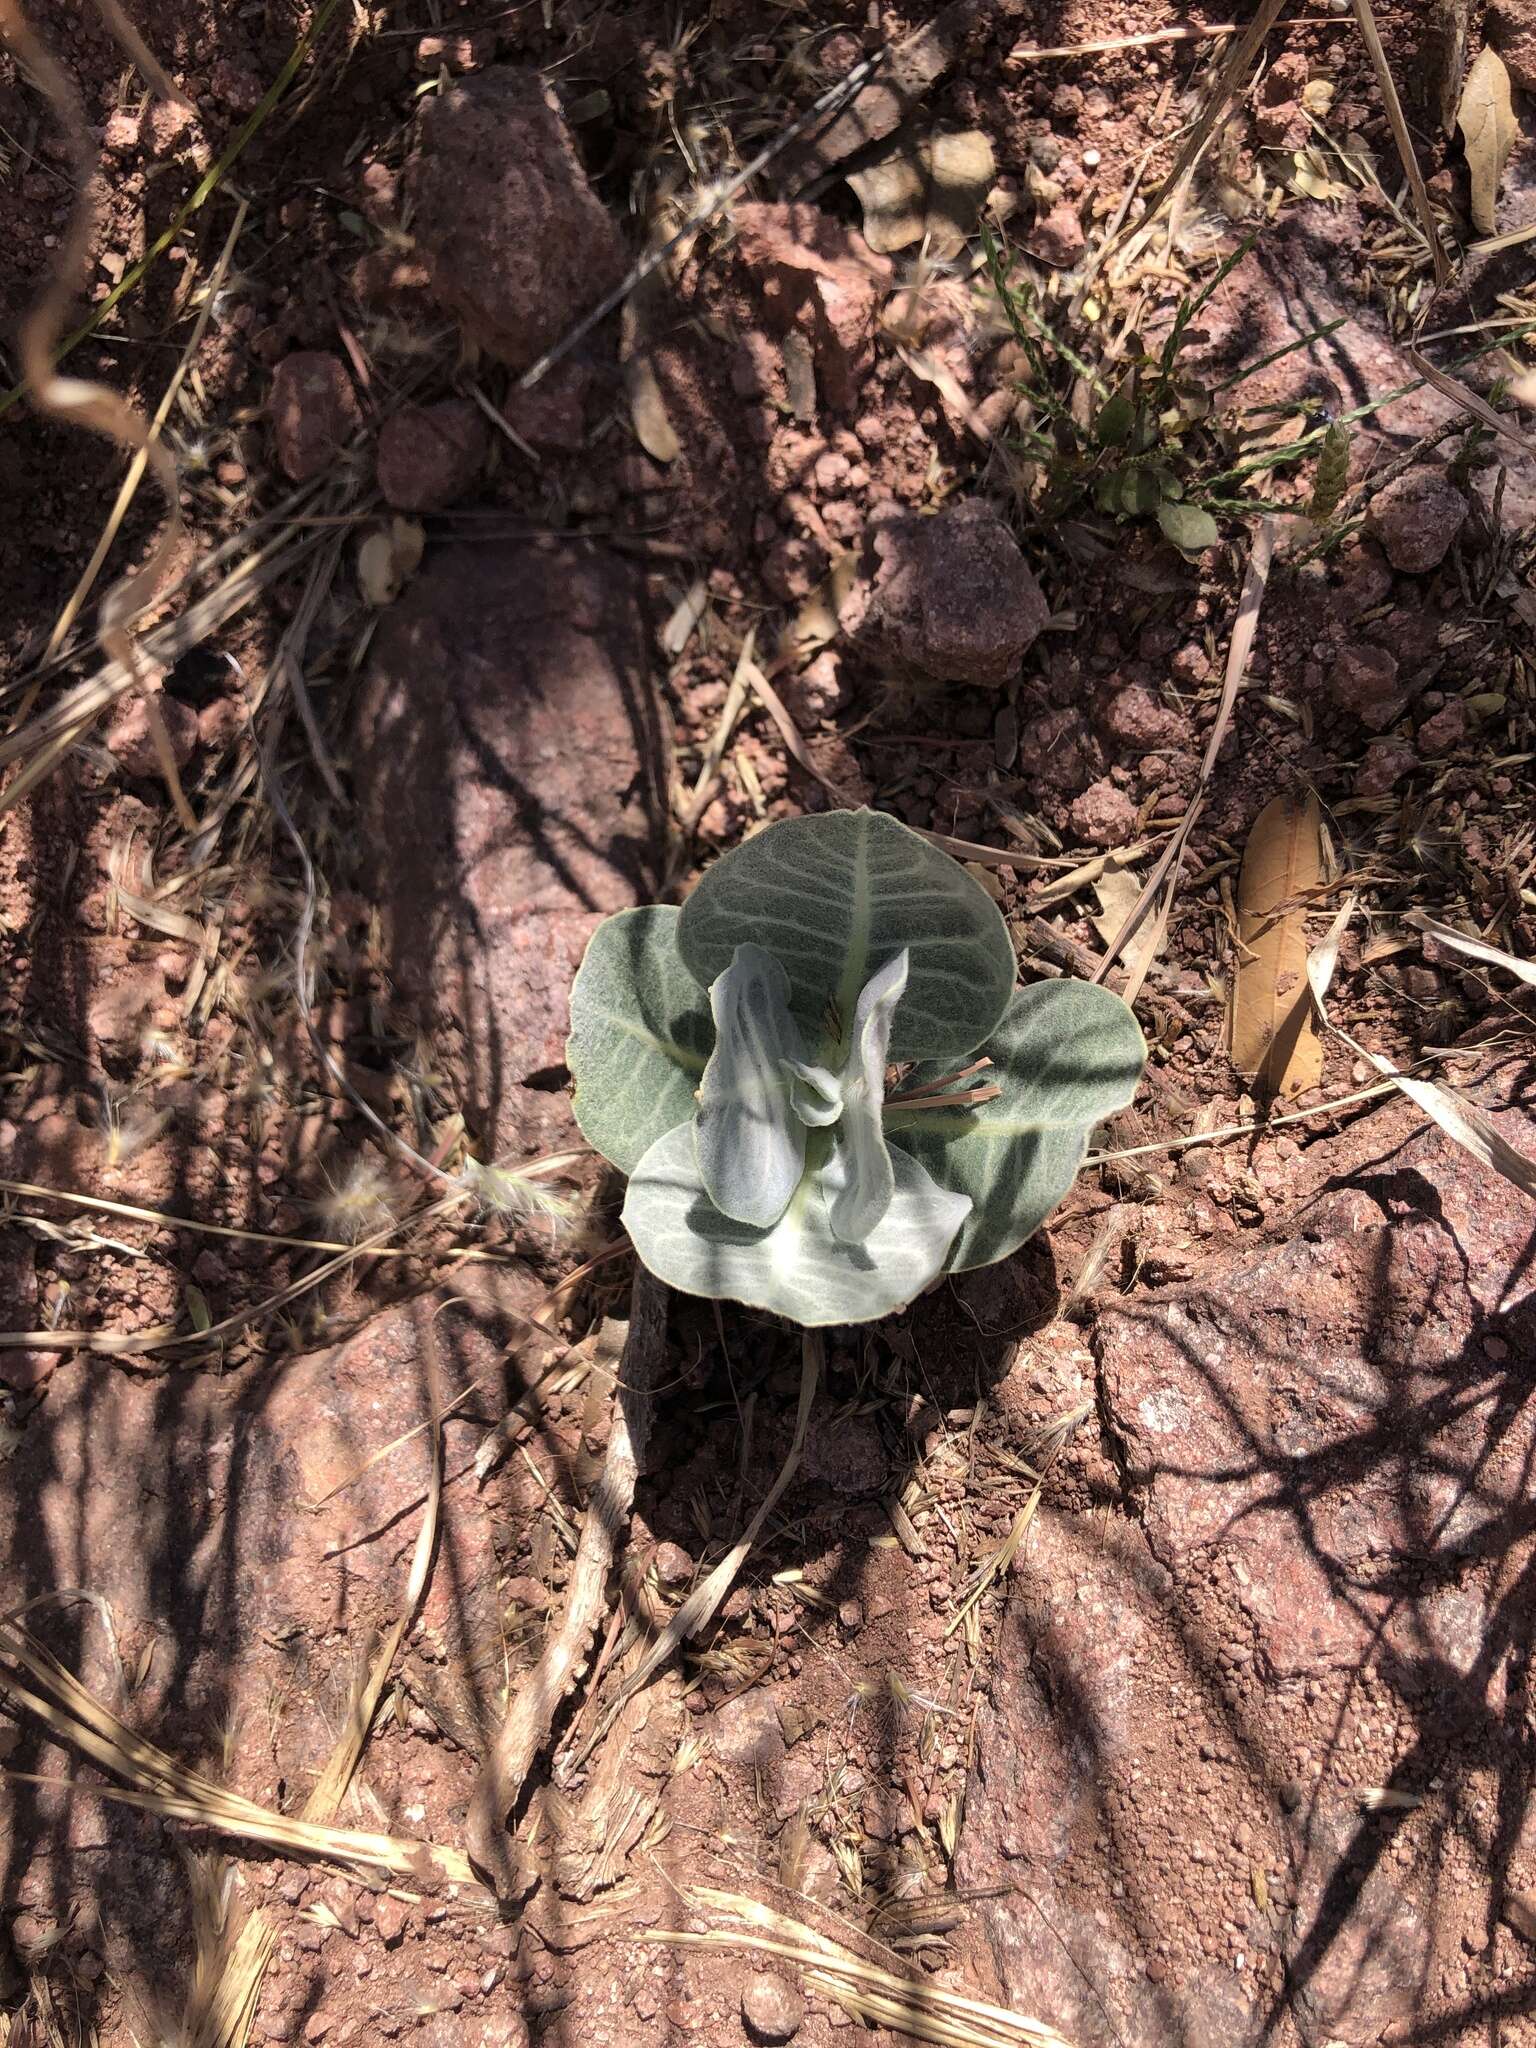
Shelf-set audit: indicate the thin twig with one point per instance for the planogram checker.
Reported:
(1163, 880)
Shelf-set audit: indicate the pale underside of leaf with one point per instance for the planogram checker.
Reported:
(640, 1035)
(866, 1179)
(749, 1141)
(838, 896)
(1274, 1035)
(798, 1268)
(1067, 1055)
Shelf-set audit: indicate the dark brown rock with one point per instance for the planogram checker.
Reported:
(1416, 519)
(314, 413)
(951, 597)
(430, 455)
(516, 242)
(509, 771)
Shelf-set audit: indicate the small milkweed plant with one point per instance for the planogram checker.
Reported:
(734, 1059)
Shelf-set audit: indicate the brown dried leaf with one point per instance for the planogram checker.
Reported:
(1487, 123)
(388, 558)
(1274, 1035)
(648, 411)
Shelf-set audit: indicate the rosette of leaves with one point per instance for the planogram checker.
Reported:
(732, 1058)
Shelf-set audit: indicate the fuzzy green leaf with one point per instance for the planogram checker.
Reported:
(797, 1268)
(750, 1142)
(834, 898)
(640, 1035)
(1191, 529)
(1065, 1056)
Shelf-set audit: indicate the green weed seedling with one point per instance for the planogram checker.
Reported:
(1157, 442)
(731, 1058)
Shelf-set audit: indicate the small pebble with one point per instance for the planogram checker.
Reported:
(772, 2008)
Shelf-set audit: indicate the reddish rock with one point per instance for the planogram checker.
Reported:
(772, 2007)
(804, 271)
(517, 244)
(951, 597)
(129, 738)
(746, 1730)
(1512, 32)
(1057, 237)
(552, 416)
(1364, 682)
(1282, 126)
(793, 567)
(1365, 581)
(238, 86)
(1104, 815)
(1360, 1951)
(218, 722)
(1416, 519)
(314, 413)
(1135, 717)
(1386, 763)
(165, 126)
(1285, 80)
(1057, 751)
(1065, 1747)
(1244, 1400)
(510, 781)
(817, 692)
(122, 132)
(1443, 730)
(430, 455)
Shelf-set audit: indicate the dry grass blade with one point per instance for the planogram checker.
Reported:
(201, 193)
(915, 2006)
(789, 732)
(1453, 388)
(690, 812)
(697, 1610)
(1472, 1128)
(77, 401)
(1274, 1035)
(1464, 1122)
(1474, 948)
(1163, 880)
(1404, 141)
(128, 489)
(1240, 60)
(158, 1784)
(531, 1713)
